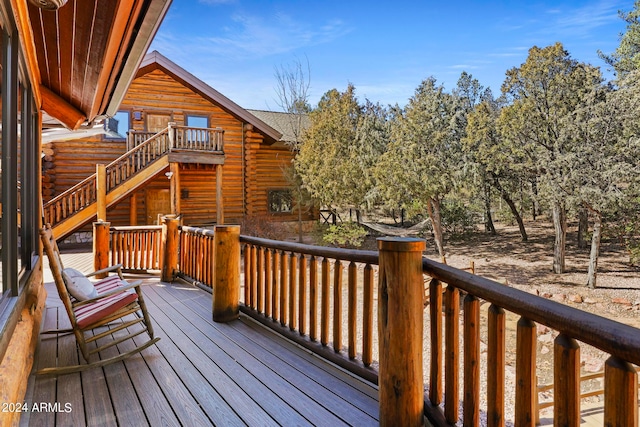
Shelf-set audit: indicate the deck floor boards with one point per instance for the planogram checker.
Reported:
(199, 373)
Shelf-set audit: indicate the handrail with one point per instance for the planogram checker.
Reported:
(612, 337)
(299, 290)
(263, 258)
(84, 193)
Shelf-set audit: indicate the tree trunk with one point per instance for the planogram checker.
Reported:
(488, 224)
(433, 209)
(560, 227)
(535, 208)
(514, 210)
(595, 250)
(583, 224)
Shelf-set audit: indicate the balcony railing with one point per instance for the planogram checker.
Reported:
(302, 291)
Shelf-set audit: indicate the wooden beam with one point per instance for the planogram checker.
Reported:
(21, 14)
(174, 188)
(219, 196)
(60, 109)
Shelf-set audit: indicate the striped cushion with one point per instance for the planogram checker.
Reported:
(92, 312)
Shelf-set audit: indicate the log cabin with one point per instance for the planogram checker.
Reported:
(246, 177)
(63, 65)
(41, 89)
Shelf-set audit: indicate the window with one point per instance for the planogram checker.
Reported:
(119, 125)
(280, 201)
(19, 166)
(197, 136)
(197, 121)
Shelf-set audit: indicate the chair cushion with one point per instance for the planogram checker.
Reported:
(93, 312)
(78, 285)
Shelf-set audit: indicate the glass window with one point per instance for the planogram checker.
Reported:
(197, 121)
(280, 201)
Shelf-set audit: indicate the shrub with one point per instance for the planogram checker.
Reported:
(345, 235)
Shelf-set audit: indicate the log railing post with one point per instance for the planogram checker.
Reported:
(171, 133)
(620, 393)
(101, 247)
(170, 246)
(101, 192)
(226, 281)
(400, 312)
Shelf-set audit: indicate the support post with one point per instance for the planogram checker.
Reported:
(219, 201)
(174, 188)
(400, 312)
(133, 209)
(101, 247)
(171, 132)
(170, 245)
(101, 192)
(226, 278)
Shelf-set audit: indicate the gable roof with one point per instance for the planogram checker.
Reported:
(283, 122)
(156, 61)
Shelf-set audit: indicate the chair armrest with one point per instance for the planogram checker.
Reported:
(117, 267)
(119, 290)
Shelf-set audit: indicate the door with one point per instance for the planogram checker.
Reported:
(157, 122)
(158, 203)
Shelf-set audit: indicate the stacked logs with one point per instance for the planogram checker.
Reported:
(48, 171)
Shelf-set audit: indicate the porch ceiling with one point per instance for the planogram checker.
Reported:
(88, 52)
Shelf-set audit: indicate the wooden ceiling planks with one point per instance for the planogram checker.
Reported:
(85, 48)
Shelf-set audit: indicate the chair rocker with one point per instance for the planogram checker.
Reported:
(106, 302)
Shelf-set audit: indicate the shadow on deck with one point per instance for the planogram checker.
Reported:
(199, 373)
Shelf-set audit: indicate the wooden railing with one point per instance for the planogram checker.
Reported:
(302, 292)
(300, 288)
(78, 197)
(143, 152)
(137, 248)
(280, 276)
(195, 257)
(184, 138)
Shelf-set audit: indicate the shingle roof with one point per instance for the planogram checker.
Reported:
(285, 123)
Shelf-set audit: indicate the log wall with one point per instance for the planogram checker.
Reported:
(249, 170)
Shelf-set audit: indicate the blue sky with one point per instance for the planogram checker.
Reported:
(384, 48)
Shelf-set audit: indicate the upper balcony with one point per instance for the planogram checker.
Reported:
(367, 313)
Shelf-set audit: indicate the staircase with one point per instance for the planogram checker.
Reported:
(79, 204)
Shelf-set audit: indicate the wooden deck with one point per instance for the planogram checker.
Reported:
(200, 373)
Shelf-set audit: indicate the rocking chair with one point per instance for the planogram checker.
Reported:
(92, 305)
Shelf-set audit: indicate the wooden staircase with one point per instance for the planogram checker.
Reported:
(78, 205)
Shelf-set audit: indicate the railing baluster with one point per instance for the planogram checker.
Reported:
(367, 316)
(253, 277)
(284, 289)
(275, 295)
(302, 295)
(352, 312)
(268, 282)
(247, 274)
(620, 393)
(566, 384)
(313, 298)
(495, 366)
(259, 281)
(526, 386)
(324, 303)
(337, 306)
(435, 313)
(471, 411)
(293, 291)
(452, 354)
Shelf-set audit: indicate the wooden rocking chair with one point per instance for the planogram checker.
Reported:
(112, 300)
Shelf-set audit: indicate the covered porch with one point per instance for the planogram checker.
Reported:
(199, 373)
